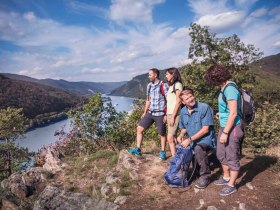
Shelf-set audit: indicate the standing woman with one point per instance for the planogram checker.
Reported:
(173, 105)
(230, 132)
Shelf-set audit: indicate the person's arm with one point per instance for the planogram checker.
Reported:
(203, 131)
(232, 106)
(182, 134)
(147, 106)
(178, 104)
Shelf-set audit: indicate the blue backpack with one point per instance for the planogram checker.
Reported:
(176, 175)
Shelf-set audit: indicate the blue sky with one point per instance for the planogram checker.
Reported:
(115, 40)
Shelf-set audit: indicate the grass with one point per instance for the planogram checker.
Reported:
(86, 172)
(127, 183)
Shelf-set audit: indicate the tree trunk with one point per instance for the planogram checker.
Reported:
(9, 161)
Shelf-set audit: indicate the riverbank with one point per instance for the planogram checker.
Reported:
(45, 120)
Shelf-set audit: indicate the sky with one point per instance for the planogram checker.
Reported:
(116, 40)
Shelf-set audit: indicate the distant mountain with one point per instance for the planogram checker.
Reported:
(137, 86)
(35, 99)
(269, 64)
(84, 88)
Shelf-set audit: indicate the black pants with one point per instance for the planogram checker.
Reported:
(200, 151)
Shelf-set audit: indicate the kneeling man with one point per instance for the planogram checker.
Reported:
(197, 121)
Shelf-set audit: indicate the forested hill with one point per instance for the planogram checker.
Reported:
(84, 88)
(35, 99)
(269, 64)
(137, 86)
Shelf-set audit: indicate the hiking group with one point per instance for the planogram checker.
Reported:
(169, 102)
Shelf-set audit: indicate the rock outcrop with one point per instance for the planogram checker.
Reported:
(52, 161)
(54, 198)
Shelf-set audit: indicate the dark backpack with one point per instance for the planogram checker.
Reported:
(248, 109)
(176, 174)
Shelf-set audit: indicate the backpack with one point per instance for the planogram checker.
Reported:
(176, 174)
(248, 109)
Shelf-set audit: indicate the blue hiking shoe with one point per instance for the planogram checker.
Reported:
(135, 151)
(162, 155)
(227, 190)
(221, 181)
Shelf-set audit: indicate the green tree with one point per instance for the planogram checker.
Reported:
(96, 125)
(265, 130)
(207, 49)
(12, 125)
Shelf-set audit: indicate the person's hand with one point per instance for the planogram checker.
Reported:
(179, 139)
(186, 142)
(164, 119)
(172, 121)
(143, 115)
(223, 138)
(217, 115)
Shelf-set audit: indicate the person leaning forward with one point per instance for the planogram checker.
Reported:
(197, 121)
(153, 112)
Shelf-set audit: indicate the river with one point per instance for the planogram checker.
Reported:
(39, 137)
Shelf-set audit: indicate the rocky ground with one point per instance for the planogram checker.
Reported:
(258, 188)
(111, 180)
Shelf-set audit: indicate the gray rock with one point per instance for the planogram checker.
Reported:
(10, 201)
(196, 190)
(5, 184)
(54, 198)
(120, 200)
(23, 184)
(127, 161)
(201, 202)
(112, 178)
(242, 206)
(105, 190)
(211, 208)
(133, 175)
(116, 190)
(52, 161)
(16, 185)
(249, 185)
(7, 204)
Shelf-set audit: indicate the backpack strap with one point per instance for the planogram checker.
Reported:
(174, 88)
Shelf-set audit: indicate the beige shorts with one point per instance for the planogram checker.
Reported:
(172, 130)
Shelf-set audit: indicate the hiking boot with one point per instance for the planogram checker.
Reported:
(227, 190)
(202, 182)
(162, 155)
(135, 151)
(221, 181)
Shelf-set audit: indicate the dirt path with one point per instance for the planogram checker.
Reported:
(258, 188)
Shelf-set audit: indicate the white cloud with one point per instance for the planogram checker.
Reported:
(245, 3)
(139, 11)
(277, 44)
(223, 21)
(81, 7)
(259, 13)
(275, 11)
(111, 54)
(263, 34)
(205, 7)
